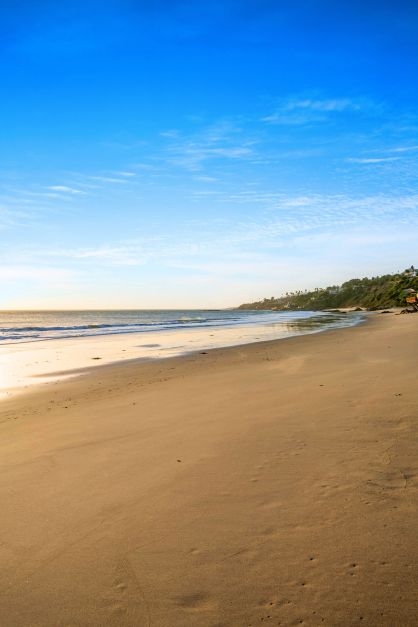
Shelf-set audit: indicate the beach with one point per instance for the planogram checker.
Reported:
(267, 483)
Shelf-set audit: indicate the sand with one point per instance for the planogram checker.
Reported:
(274, 483)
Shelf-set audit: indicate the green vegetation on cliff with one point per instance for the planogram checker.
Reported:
(378, 292)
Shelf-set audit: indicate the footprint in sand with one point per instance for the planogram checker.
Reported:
(195, 602)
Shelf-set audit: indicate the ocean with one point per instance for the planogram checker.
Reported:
(32, 326)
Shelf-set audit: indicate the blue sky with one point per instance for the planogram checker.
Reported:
(202, 154)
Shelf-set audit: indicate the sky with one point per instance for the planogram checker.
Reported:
(172, 154)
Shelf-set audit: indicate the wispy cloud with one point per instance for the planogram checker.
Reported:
(119, 255)
(283, 220)
(405, 149)
(336, 104)
(12, 216)
(65, 189)
(171, 133)
(108, 179)
(372, 160)
(192, 155)
(220, 141)
(15, 272)
(299, 111)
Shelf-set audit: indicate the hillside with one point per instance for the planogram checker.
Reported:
(370, 293)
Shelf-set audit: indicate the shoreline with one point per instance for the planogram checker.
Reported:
(80, 374)
(44, 361)
(272, 482)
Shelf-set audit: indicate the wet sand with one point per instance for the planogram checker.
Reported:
(274, 483)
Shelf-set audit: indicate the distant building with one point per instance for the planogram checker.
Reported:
(410, 272)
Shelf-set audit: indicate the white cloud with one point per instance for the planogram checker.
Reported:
(371, 160)
(108, 179)
(29, 272)
(336, 104)
(116, 255)
(302, 111)
(404, 149)
(193, 155)
(206, 179)
(280, 221)
(171, 134)
(293, 119)
(65, 189)
(13, 216)
(220, 141)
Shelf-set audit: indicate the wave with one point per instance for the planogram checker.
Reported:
(119, 325)
(85, 327)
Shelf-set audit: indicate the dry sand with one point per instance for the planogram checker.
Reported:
(274, 483)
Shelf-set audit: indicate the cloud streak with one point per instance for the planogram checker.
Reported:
(64, 189)
(300, 111)
(217, 142)
(372, 160)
